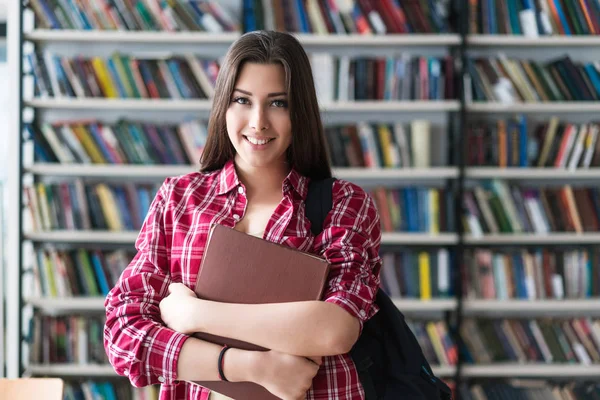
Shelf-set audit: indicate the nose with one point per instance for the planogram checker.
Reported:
(258, 119)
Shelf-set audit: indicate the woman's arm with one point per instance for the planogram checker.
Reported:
(284, 375)
(308, 328)
(350, 242)
(137, 343)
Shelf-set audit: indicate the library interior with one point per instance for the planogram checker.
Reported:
(471, 125)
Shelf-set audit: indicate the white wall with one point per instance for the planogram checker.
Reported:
(3, 94)
(3, 9)
(4, 98)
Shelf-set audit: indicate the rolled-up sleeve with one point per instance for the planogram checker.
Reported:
(136, 341)
(350, 241)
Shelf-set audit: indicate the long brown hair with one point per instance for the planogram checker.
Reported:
(307, 154)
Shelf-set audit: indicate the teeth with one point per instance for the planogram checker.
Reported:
(258, 142)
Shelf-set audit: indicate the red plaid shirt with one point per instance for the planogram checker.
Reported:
(170, 247)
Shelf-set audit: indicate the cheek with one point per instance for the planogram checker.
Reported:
(284, 124)
(232, 121)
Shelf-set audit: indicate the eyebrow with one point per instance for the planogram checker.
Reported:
(269, 95)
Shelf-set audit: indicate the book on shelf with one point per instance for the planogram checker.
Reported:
(435, 339)
(169, 16)
(414, 209)
(546, 341)
(534, 18)
(497, 207)
(123, 76)
(531, 389)
(380, 145)
(123, 142)
(78, 205)
(512, 80)
(422, 275)
(346, 17)
(337, 78)
(104, 389)
(553, 143)
(399, 77)
(78, 272)
(311, 16)
(360, 145)
(539, 274)
(67, 339)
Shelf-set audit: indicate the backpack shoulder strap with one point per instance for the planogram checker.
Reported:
(318, 203)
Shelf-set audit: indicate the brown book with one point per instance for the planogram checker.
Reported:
(240, 268)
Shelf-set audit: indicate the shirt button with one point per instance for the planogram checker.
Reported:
(236, 217)
(161, 379)
(363, 313)
(125, 372)
(240, 190)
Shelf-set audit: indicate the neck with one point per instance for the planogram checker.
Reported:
(261, 179)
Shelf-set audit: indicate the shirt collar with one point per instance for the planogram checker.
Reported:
(228, 180)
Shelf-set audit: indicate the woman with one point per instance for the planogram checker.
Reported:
(265, 144)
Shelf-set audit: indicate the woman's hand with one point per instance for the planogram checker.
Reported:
(178, 309)
(286, 376)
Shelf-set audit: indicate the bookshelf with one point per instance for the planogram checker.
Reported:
(456, 176)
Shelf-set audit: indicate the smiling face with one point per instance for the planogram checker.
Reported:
(258, 117)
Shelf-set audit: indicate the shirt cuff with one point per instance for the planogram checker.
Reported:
(351, 303)
(164, 349)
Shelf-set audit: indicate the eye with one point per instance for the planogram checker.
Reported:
(280, 103)
(241, 100)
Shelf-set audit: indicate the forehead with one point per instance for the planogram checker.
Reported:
(261, 78)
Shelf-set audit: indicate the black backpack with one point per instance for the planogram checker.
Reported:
(388, 357)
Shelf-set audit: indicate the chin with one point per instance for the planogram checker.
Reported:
(254, 161)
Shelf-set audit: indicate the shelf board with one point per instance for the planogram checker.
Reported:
(380, 40)
(416, 305)
(398, 106)
(473, 306)
(128, 237)
(530, 307)
(119, 104)
(532, 238)
(445, 371)
(163, 171)
(91, 304)
(96, 370)
(523, 41)
(205, 105)
(387, 238)
(470, 371)
(531, 173)
(175, 38)
(153, 37)
(108, 371)
(396, 173)
(530, 370)
(418, 238)
(548, 107)
(110, 170)
(78, 237)
(67, 304)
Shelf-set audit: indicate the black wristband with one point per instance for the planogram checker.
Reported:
(220, 363)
